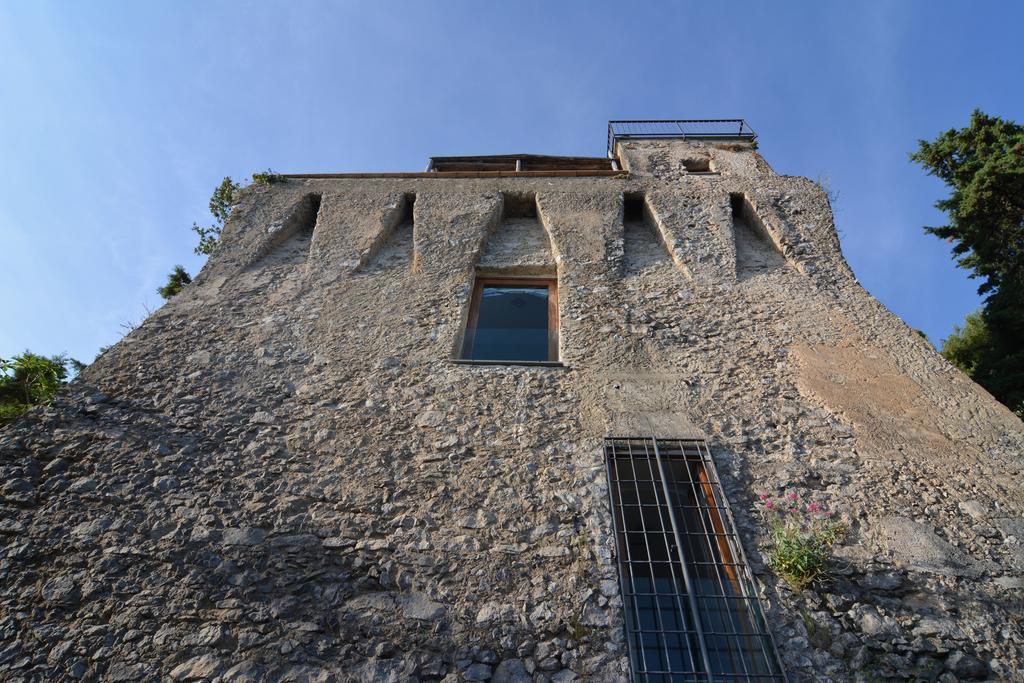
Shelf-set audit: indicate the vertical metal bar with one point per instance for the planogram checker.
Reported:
(649, 534)
(611, 462)
(682, 560)
(754, 605)
(659, 625)
(661, 505)
(713, 555)
(736, 650)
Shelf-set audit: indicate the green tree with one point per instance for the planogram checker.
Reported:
(29, 380)
(221, 201)
(983, 164)
(176, 281)
(966, 345)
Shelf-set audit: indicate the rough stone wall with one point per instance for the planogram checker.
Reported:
(282, 475)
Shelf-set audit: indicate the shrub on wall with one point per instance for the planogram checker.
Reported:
(802, 538)
(29, 380)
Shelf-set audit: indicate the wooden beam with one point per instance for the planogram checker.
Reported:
(603, 173)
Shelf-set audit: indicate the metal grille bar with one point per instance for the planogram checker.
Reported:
(692, 613)
(698, 129)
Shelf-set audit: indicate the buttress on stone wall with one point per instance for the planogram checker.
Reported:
(282, 475)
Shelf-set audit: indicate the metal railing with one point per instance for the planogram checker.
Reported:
(697, 129)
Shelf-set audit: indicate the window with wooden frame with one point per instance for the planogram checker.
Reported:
(692, 612)
(512, 320)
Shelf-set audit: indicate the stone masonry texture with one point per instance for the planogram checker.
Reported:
(282, 474)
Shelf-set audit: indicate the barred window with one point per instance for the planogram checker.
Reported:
(692, 613)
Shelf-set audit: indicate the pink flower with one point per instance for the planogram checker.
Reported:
(792, 495)
(769, 504)
(764, 496)
(813, 507)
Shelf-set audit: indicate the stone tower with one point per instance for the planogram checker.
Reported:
(392, 430)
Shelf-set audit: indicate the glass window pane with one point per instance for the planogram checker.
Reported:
(643, 471)
(637, 547)
(632, 518)
(652, 518)
(645, 490)
(512, 323)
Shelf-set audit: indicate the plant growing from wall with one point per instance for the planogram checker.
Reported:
(268, 177)
(824, 181)
(221, 202)
(30, 380)
(176, 281)
(802, 536)
(224, 197)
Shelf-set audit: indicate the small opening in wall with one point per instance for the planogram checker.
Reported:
(408, 203)
(519, 205)
(756, 251)
(642, 246)
(518, 241)
(394, 245)
(736, 203)
(309, 212)
(699, 165)
(633, 208)
(291, 238)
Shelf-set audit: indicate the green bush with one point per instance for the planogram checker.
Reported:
(176, 281)
(802, 539)
(268, 177)
(29, 380)
(223, 198)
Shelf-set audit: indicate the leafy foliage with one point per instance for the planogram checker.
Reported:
(802, 538)
(966, 345)
(989, 347)
(984, 166)
(208, 236)
(176, 281)
(268, 178)
(221, 201)
(29, 380)
(1002, 368)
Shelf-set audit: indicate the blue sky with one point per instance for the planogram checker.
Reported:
(117, 120)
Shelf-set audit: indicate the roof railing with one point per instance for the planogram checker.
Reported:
(696, 129)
